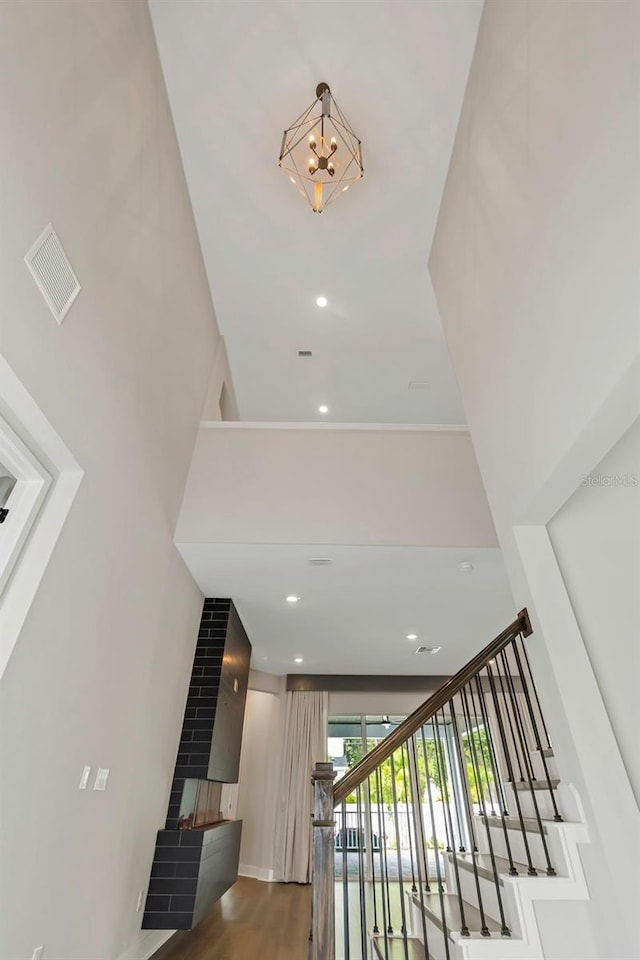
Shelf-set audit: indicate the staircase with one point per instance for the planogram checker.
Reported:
(452, 827)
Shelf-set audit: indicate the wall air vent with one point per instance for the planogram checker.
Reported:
(305, 353)
(52, 271)
(320, 562)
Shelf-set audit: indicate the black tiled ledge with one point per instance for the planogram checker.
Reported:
(191, 870)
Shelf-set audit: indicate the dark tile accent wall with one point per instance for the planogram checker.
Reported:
(194, 750)
(193, 868)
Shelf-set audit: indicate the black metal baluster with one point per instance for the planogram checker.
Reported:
(507, 756)
(421, 839)
(434, 836)
(394, 795)
(345, 882)
(372, 854)
(536, 733)
(525, 746)
(464, 929)
(419, 830)
(489, 780)
(384, 868)
(509, 680)
(406, 794)
(493, 759)
(484, 929)
(494, 868)
(449, 764)
(493, 762)
(363, 905)
(535, 689)
(462, 774)
(507, 713)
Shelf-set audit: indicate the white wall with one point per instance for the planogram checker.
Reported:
(317, 484)
(100, 671)
(596, 539)
(534, 265)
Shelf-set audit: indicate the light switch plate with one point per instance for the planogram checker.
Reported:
(84, 779)
(101, 778)
(140, 901)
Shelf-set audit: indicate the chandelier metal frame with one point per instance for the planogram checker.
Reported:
(321, 154)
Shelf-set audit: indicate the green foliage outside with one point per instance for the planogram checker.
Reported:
(435, 762)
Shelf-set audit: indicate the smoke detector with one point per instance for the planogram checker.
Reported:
(51, 270)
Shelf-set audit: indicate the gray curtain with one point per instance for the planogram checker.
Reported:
(305, 744)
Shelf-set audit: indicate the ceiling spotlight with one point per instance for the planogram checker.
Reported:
(323, 409)
(321, 302)
(465, 567)
(321, 152)
(292, 599)
(298, 660)
(412, 636)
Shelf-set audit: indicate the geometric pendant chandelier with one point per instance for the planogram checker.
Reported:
(320, 153)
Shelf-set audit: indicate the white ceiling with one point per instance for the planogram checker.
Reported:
(354, 615)
(238, 73)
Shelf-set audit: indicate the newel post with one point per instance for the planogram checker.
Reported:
(323, 895)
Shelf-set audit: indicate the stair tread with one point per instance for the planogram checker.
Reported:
(485, 866)
(530, 824)
(433, 908)
(536, 784)
(396, 949)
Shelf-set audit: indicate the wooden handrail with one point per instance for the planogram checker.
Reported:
(424, 713)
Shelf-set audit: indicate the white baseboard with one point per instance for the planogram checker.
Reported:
(257, 873)
(146, 944)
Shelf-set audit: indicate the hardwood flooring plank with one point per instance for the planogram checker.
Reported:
(252, 920)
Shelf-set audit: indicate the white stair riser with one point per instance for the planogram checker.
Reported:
(518, 848)
(435, 936)
(527, 805)
(538, 766)
(489, 896)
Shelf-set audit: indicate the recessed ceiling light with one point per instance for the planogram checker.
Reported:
(321, 301)
(465, 567)
(323, 408)
(298, 660)
(292, 599)
(412, 636)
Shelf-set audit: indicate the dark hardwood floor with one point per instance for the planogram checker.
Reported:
(253, 921)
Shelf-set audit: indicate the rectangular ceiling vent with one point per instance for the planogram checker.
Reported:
(430, 650)
(319, 562)
(52, 271)
(419, 385)
(305, 353)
